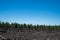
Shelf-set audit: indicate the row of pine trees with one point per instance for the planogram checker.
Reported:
(30, 26)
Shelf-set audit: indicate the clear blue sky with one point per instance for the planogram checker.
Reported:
(30, 11)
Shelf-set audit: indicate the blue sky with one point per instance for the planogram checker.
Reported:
(30, 11)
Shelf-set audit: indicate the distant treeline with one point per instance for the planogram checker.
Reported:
(30, 26)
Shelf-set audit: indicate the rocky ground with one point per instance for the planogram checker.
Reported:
(28, 34)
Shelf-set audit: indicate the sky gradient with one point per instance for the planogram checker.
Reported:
(30, 11)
